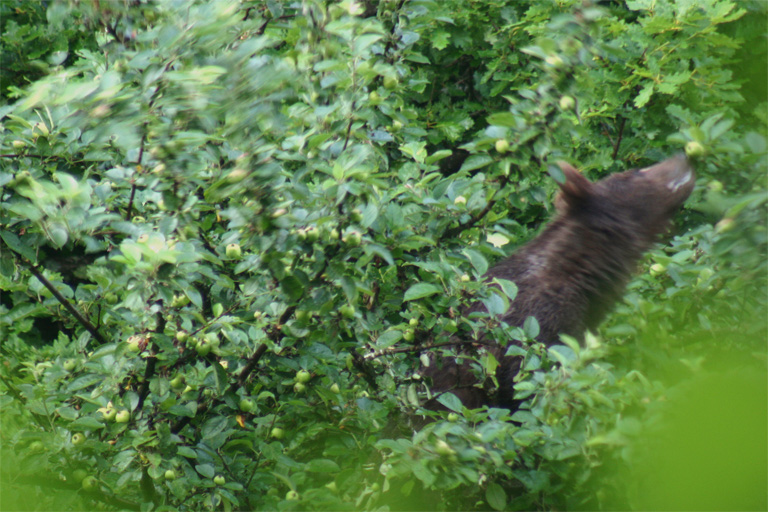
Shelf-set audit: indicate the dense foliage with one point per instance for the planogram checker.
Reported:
(229, 230)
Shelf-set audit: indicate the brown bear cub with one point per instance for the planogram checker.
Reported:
(570, 276)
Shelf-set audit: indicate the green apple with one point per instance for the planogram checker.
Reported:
(313, 234)
(657, 269)
(409, 335)
(170, 475)
(460, 201)
(356, 215)
(695, 149)
(335, 388)
(277, 433)
(299, 387)
(413, 322)
(353, 238)
(502, 145)
(464, 278)
(123, 416)
(303, 376)
(182, 336)
(219, 480)
(134, 343)
(390, 82)
(177, 382)
(79, 475)
(567, 103)
(247, 405)
(715, 186)
(443, 448)
(233, 251)
(70, 364)
(291, 495)
(78, 439)
(179, 301)
(453, 416)
(89, 482)
(203, 347)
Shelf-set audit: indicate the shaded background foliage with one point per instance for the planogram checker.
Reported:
(228, 227)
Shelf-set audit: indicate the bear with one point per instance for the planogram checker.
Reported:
(571, 274)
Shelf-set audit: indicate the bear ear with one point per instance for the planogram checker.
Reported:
(575, 189)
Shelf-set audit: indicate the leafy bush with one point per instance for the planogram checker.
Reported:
(230, 229)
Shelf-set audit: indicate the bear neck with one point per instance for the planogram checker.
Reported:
(581, 265)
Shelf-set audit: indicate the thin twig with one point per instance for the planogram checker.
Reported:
(67, 305)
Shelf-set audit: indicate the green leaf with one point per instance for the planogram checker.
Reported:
(477, 260)
(495, 496)
(421, 290)
(206, 470)
(292, 288)
(531, 327)
(475, 162)
(323, 466)
(644, 95)
(451, 401)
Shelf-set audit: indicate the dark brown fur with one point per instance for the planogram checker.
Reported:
(571, 275)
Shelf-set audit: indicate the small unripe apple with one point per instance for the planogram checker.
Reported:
(291, 495)
(313, 234)
(303, 376)
(18, 144)
(453, 416)
(182, 336)
(413, 322)
(555, 61)
(143, 238)
(374, 97)
(170, 475)
(78, 439)
(247, 405)
(657, 269)
(502, 145)
(177, 382)
(409, 335)
(69, 365)
(111, 298)
(299, 387)
(233, 251)
(460, 201)
(109, 413)
(122, 416)
(356, 215)
(715, 186)
(203, 348)
(331, 486)
(79, 475)
(390, 82)
(567, 103)
(695, 149)
(334, 234)
(725, 225)
(464, 278)
(89, 482)
(347, 311)
(443, 448)
(133, 344)
(36, 447)
(335, 388)
(277, 433)
(219, 480)
(179, 301)
(353, 238)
